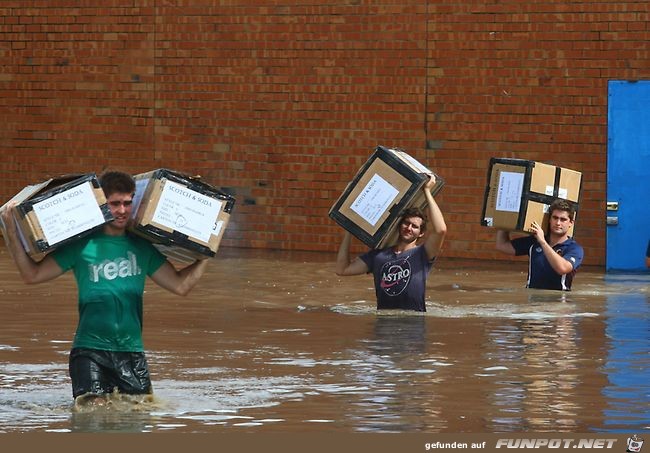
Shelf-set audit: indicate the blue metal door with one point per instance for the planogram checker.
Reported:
(628, 175)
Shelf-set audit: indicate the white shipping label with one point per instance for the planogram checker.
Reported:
(562, 192)
(509, 191)
(187, 211)
(68, 213)
(375, 198)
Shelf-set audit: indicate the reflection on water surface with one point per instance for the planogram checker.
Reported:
(276, 342)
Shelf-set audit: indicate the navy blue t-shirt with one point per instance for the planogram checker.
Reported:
(400, 279)
(540, 273)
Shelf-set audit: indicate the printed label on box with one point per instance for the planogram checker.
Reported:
(509, 191)
(69, 213)
(562, 192)
(187, 211)
(375, 198)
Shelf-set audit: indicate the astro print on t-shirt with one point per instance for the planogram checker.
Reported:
(400, 279)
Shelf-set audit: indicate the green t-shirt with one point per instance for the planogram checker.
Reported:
(110, 273)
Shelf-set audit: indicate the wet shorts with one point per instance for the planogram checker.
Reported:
(100, 372)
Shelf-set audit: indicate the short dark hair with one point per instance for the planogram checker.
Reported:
(563, 205)
(116, 182)
(415, 212)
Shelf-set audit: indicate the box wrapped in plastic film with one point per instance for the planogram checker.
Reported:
(183, 216)
(57, 211)
(388, 183)
(519, 192)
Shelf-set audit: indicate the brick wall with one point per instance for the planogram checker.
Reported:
(282, 103)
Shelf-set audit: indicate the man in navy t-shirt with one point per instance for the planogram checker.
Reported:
(400, 271)
(554, 259)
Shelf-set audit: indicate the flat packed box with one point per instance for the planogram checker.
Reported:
(520, 191)
(184, 217)
(372, 203)
(58, 211)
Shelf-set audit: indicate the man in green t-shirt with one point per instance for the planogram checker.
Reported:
(110, 267)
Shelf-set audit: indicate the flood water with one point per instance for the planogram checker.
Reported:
(275, 342)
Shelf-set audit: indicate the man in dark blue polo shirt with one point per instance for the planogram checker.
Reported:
(553, 259)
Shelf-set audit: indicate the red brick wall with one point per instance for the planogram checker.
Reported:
(282, 103)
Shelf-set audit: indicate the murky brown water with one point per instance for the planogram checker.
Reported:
(276, 342)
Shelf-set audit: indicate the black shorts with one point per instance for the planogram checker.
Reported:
(100, 372)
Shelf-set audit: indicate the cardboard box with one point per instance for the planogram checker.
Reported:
(520, 191)
(184, 217)
(58, 211)
(372, 203)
